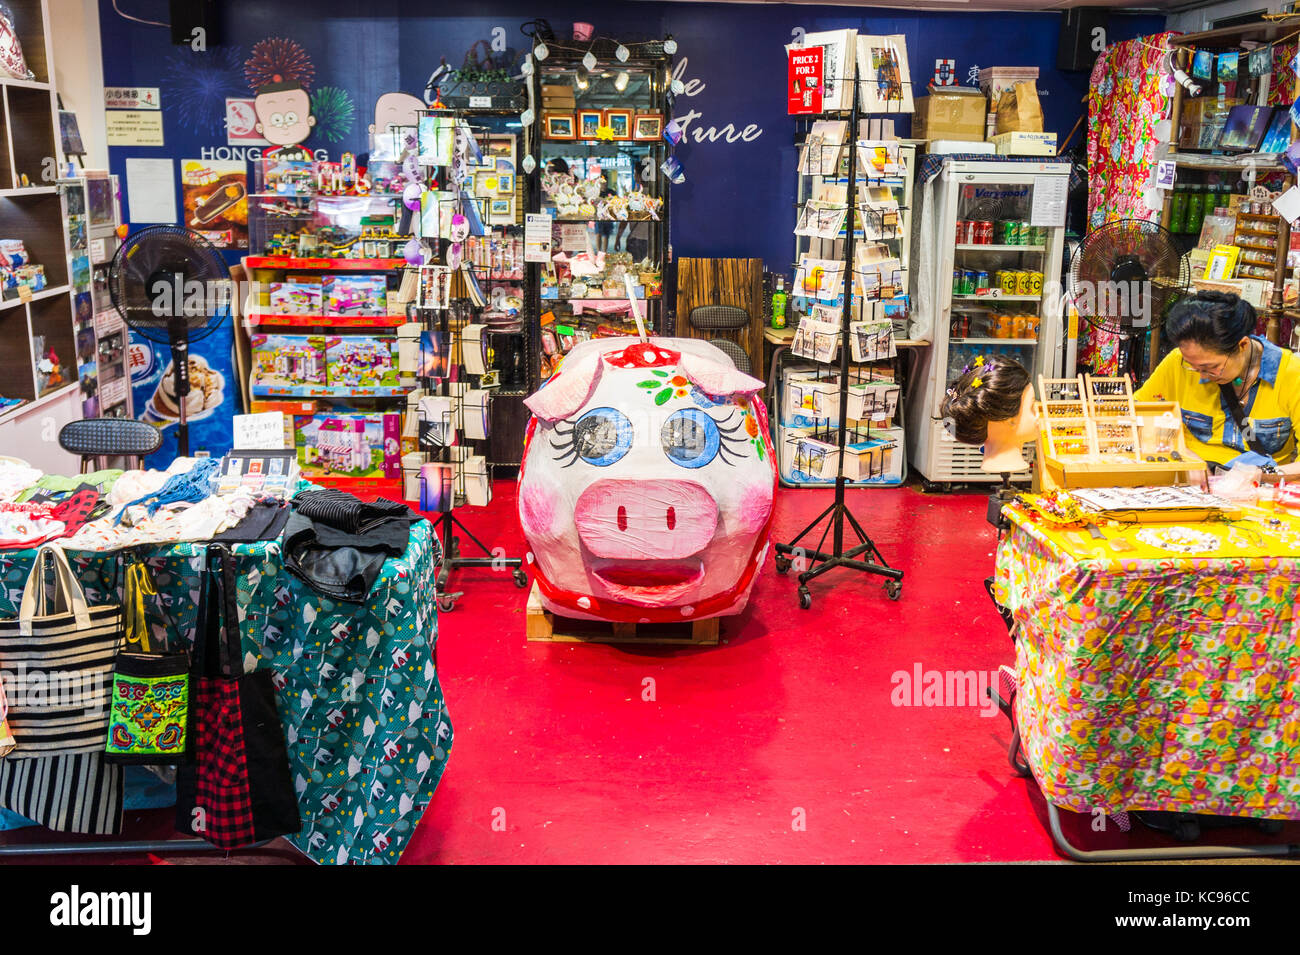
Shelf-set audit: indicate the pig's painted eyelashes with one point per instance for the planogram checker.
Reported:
(690, 438)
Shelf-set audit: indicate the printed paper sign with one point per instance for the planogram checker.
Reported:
(241, 124)
(132, 97)
(134, 127)
(804, 80)
(537, 238)
(1166, 171)
(215, 193)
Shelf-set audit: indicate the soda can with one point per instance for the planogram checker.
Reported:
(963, 232)
(981, 280)
(1036, 283)
(987, 233)
(956, 281)
(1007, 281)
(968, 282)
(1023, 284)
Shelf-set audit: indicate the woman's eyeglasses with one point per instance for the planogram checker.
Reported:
(1206, 372)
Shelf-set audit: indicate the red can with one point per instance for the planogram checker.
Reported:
(963, 232)
(984, 233)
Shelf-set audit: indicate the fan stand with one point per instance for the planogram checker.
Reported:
(181, 375)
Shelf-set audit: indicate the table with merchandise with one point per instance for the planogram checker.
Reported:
(1158, 664)
(355, 676)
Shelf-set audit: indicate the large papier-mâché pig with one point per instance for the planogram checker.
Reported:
(647, 482)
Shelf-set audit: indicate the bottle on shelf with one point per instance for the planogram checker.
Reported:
(1178, 210)
(779, 300)
(1195, 209)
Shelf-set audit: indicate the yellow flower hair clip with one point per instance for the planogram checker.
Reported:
(975, 383)
(979, 361)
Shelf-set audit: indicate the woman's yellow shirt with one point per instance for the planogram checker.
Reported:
(1272, 407)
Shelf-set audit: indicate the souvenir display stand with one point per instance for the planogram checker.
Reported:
(453, 417)
(598, 147)
(864, 556)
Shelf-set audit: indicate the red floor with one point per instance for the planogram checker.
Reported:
(791, 719)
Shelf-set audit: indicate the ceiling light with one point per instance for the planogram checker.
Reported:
(620, 81)
(589, 61)
(541, 51)
(670, 46)
(622, 53)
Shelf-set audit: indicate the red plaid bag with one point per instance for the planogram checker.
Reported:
(238, 789)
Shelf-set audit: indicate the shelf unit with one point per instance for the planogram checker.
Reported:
(40, 327)
(628, 165)
(1233, 169)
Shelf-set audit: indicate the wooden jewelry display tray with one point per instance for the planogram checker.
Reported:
(1091, 434)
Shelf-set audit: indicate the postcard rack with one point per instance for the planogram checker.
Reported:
(1093, 433)
(449, 473)
(836, 446)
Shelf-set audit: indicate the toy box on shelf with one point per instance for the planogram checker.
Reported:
(349, 444)
(288, 360)
(360, 361)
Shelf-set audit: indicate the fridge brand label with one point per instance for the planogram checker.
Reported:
(1017, 192)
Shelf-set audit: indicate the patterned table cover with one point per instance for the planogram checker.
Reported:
(1151, 679)
(367, 728)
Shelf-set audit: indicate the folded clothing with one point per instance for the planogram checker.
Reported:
(338, 543)
(264, 521)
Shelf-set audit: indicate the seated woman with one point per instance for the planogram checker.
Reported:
(1239, 393)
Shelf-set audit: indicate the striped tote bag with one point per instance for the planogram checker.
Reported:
(56, 662)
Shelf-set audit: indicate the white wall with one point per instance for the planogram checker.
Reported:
(79, 72)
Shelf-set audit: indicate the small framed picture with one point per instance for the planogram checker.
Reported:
(647, 127)
(560, 126)
(620, 121)
(505, 184)
(501, 211)
(589, 123)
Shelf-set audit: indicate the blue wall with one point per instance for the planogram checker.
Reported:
(738, 198)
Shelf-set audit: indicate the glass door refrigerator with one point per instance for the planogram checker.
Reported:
(990, 285)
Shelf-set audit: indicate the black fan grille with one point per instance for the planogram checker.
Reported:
(169, 283)
(1125, 275)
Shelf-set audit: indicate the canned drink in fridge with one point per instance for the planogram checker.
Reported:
(956, 281)
(963, 232)
(968, 282)
(1038, 235)
(1036, 283)
(1020, 326)
(1023, 283)
(983, 232)
(1007, 281)
(1010, 233)
(981, 280)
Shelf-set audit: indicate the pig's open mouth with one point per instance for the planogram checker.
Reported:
(649, 583)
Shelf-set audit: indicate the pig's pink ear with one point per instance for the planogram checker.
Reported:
(715, 378)
(568, 391)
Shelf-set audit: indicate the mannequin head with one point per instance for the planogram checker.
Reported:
(993, 404)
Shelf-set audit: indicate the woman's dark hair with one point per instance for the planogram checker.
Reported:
(997, 397)
(558, 165)
(1217, 321)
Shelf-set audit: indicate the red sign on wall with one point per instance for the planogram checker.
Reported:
(804, 80)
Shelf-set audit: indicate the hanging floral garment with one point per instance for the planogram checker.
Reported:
(1126, 99)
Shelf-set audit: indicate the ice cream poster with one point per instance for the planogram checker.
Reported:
(210, 405)
(215, 194)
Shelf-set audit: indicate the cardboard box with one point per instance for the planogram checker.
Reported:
(1025, 144)
(994, 80)
(953, 113)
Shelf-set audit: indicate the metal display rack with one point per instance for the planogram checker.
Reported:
(447, 322)
(863, 556)
(645, 75)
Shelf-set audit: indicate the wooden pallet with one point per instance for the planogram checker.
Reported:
(546, 627)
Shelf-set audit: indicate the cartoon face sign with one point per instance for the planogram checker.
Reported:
(459, 230)
(647, 482)
(284, 113)
(396, 109)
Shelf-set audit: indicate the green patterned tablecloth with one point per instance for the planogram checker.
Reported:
(364, 717)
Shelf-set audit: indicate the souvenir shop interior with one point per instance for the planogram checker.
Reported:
(648, 433)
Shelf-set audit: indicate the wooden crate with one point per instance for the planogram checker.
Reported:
(546, 627)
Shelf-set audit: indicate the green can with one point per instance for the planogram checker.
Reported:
(1013, 234)
(1038, 235)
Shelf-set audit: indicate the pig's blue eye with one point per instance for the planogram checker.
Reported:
(690, 438)
(600, 437)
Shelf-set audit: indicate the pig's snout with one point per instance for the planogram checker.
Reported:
(646, 520)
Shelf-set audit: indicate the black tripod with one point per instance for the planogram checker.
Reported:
(865, 555)
(451, 559)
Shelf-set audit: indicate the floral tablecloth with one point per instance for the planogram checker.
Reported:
(367, 729)
(1152, 679)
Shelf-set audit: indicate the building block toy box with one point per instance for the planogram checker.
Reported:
(288, 361)
(362, 361)
(355, 294)
(349, 444)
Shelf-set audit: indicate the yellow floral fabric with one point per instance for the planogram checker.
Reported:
(1150, 679)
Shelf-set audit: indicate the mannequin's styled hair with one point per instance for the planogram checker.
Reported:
(1217, 321)
(1001, 389)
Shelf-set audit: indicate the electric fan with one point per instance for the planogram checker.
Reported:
(171, 287)
(1123, 278)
